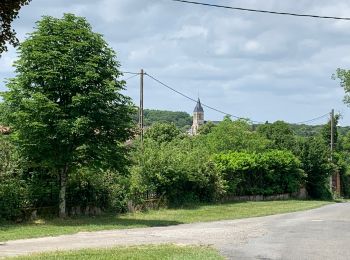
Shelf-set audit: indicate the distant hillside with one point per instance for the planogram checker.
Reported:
(180, 119)
(310, 130)
(184, 120)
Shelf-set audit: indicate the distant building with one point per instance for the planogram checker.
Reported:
(198, 118)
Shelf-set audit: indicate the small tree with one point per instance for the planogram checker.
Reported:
(65, 109)
(314, 156)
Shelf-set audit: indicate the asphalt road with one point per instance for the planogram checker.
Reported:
(322, 233)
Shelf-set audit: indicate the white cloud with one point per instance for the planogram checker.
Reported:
(267, 67)
(252, 46)
(190, 31)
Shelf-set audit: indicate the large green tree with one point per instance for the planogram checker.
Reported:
(64, 106)
(8, 12)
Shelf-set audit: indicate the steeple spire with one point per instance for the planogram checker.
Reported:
(198, 117)
(198, 107)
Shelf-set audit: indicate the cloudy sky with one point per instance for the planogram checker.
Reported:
(263, 67)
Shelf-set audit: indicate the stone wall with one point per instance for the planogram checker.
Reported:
(302, 194)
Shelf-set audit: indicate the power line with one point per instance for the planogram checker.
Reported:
(212, 108)
(133, 76)
(263, 11)
(129, 72)
(312, 120)
(192, 99)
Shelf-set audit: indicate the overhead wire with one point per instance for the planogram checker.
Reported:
(213, 108)
(133, 76)
(312, 120)
(194, 100)
(129, 72)
(263, 11)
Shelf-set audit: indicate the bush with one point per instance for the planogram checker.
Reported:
(267, 173)
(12, 197)
(236, 136)
(315, 161)
(180, 170)
(106, 190)
(12, 189)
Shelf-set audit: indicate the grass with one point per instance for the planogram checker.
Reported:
(163, 217)
(140, 252)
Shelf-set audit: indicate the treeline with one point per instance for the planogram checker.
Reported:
(71, 144)
(233, 159)
(226, 159)
(182, 120)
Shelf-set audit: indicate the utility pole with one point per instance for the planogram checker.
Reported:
(141, 106)
(332, 133)
(332, 145)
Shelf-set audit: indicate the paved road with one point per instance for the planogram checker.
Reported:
(322, 233)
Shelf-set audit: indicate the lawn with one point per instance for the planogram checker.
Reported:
(141, 252)
(163, 217)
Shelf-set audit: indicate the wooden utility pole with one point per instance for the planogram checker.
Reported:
(332, 146)
(332, 133)
(141, 106)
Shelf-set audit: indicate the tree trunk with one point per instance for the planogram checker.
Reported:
(62, 194)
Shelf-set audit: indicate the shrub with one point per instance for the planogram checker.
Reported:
(180, 170)
(267, 173)
(106, 190)
(12, 189)
(315, 161)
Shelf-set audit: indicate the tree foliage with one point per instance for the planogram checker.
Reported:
(8, 12)
(162, 132)
(180, 170)
(326, 131)
(267, 173)
(182, 120)
(66, 110)
(12, 188)
(344, 76)
(280, 134)
(237, 135)
(315, 157)
(206, 128)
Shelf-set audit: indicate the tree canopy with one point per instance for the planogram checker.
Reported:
(180, 119)
(280, 134)
(65, 106)
(8, 12)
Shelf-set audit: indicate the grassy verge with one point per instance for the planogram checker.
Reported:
(141, 252)
(163, 217)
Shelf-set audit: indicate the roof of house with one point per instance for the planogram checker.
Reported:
(198, 107)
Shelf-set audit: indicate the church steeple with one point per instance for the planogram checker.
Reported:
(198, 117)
(198, 107)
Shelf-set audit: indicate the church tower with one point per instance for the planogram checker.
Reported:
(198, 117)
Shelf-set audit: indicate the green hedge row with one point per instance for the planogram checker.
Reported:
(268, 173)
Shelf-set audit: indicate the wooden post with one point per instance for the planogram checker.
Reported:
(141, 106)
(332, 146)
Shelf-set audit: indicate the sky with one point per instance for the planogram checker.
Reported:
(257, 66)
